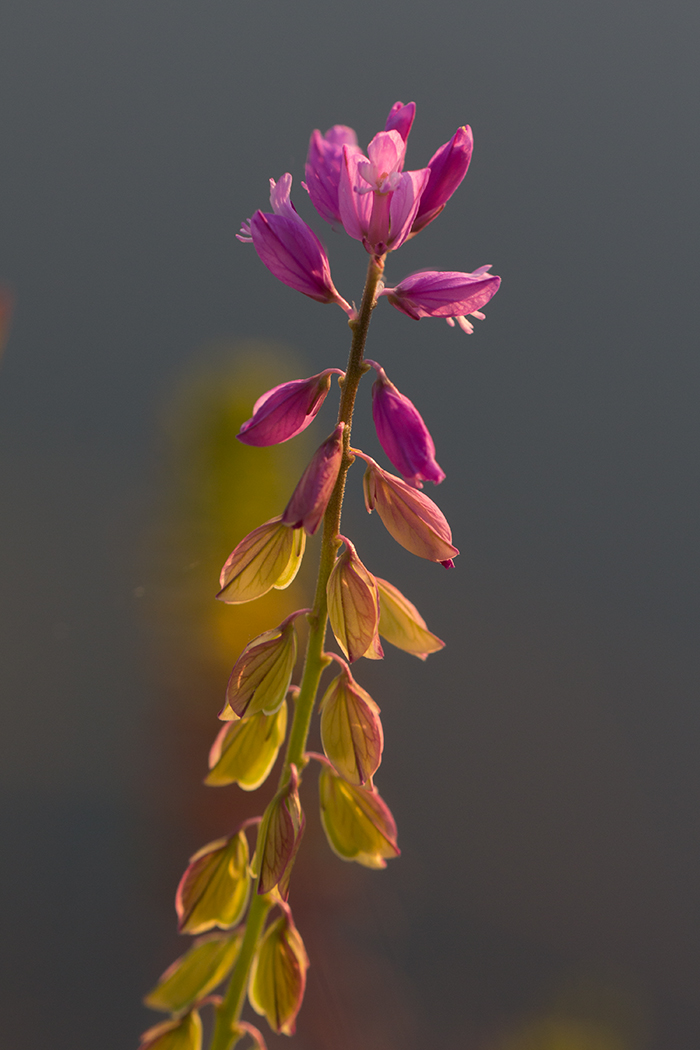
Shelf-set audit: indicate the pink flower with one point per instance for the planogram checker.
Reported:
(287, 409)
(449, 294)
(402, 433)
(448, 166)
(378, 201)
(409, 516)
(290, 249)
(310, 498)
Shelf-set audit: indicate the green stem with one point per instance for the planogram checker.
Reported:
(315, 661)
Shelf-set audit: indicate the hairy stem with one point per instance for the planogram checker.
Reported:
(225, 1038)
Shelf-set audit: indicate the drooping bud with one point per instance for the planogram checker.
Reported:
(183, 1034)
(402, 433)
(353, 606)
(196, 973)
(449, 294)
(402, 625)
(357, 821)
(287, 409)
(413, 520)
(267, 557)
(448, 166)
(215, 887)
(310, 498)
(351, 731)
(261, 675)
(278, 975)
(245, 751)
(280, 837)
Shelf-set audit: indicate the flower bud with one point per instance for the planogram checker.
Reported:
(183, 1034)
(353, 605)
(402, 433)
(357, 821)
(280, 837)
(402, 625)
(245, 751)
(448, 166)
(413, 520)
(310, 498)
(215, 887)
(401, 118)
(278, 975)
(196, 973)
(286, 410)
(261, 675)
(351, 731)
(267, 557)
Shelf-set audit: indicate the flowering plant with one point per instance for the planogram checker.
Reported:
(238, 901)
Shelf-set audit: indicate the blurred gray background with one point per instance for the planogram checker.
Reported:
(543, 769)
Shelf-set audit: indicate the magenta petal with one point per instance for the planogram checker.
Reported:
(448, 166)
(310, 498)
(355, 208)
(401, 118)
(286, 410)
(402, 433)
(404, 205)
(293, 253)
(434, 293)
(322, 169)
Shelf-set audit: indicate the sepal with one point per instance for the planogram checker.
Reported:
(196, 973)
(409, 516)
(402, 625)
(278, 975)
(182, 1034)
(279, 838)
(267, 557)
(287, 409)
(353, 605)
(351, 731)
(245, 751)
(261, 675)
(357, 822)
(215, 887)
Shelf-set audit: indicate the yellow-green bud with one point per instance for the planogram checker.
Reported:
(244, 752)
(215, 887)
(267, 557)
(278, 975)
(402, 625)
(196, 973)
(351, 731)
(358, 823)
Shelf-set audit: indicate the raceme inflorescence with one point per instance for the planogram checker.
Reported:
(235, 903)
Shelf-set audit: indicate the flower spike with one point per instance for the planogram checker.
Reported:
(287, 409)
(402, 433)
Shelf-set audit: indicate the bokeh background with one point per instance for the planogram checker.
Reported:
(543, 769)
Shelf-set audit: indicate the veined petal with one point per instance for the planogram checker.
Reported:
(435, 293)
(402, 625)
(404, 205)
(267, 557)
(287, 409)
(401, 118)
(355, 208)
